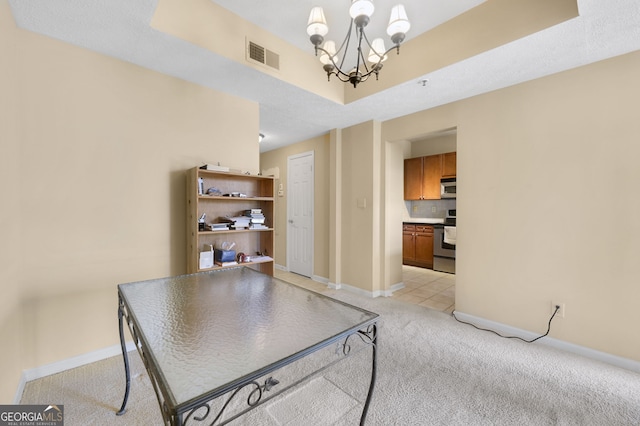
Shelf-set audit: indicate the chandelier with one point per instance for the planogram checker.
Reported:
(360, 12)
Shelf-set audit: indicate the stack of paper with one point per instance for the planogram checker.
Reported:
(240, 222)
(219, 226)
(214, 167)
(256, 218)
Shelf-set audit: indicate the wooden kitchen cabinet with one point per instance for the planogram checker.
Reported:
(449, 165)
(417, 245)
(413, 179)
(431, 174)
(422, 178)
(408, 244)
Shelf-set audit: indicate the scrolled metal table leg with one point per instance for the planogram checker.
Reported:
(372, 334)
(124, 356)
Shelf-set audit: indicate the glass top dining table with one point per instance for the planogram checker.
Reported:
(207, 334)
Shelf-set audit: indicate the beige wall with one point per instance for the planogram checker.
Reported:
(491, 24)
(393, 211)
(93, 158)
(485, 27)
(438, 144)
(358, 200)
(206, 24)
(278, 158)
(547, 173)
(576, 242)
(10, 215)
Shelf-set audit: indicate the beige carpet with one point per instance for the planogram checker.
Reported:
(432, 370)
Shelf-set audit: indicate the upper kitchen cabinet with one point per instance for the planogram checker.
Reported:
(449, 165)
(422, 175)
(431, 174)
(413, 179)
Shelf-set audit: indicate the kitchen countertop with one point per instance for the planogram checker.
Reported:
(423, 220)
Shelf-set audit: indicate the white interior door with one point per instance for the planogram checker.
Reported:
(300, 214)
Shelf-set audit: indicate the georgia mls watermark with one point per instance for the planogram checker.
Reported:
(31, 415)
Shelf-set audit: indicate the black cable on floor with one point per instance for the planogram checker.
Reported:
(512, 337)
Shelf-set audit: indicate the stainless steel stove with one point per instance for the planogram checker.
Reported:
(444, 244)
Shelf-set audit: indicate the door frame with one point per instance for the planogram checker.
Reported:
(312, 198)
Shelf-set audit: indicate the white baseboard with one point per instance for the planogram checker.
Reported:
(320, 279)
(317, 278)
(365, 293)
(394, 287)
(68, 364)
(361, 292)
(355, 290)
(615, 360)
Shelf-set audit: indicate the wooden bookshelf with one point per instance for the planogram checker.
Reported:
(257, 193)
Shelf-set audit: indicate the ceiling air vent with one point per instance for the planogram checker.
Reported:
(259, 54)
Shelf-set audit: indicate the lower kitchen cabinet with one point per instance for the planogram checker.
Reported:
(417, 245)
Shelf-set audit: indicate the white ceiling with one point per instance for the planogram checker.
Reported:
(120, 28)
(290, 21)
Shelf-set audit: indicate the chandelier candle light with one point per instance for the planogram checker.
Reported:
(360, 12)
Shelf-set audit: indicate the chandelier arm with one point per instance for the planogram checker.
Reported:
(381, 56)
(376, 67)
(337, 72)
(364, 61)
(345, 45)
(367, 40)
(342, 79)
(365, 76)
(397, 47)
(359, 54)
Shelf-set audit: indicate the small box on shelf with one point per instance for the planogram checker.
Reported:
(225, 255)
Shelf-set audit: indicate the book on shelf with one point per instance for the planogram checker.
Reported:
(259, 259)
(219, 226)
(258, 226)
(255, 216)
(231, 263)
(217, 168)
(240, 222)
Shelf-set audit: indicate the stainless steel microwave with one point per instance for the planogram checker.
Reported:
(448, 188)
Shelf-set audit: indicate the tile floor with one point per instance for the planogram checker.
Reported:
(424, 287)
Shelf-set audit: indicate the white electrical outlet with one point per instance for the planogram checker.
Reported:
(433, 209)
(560, 313)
